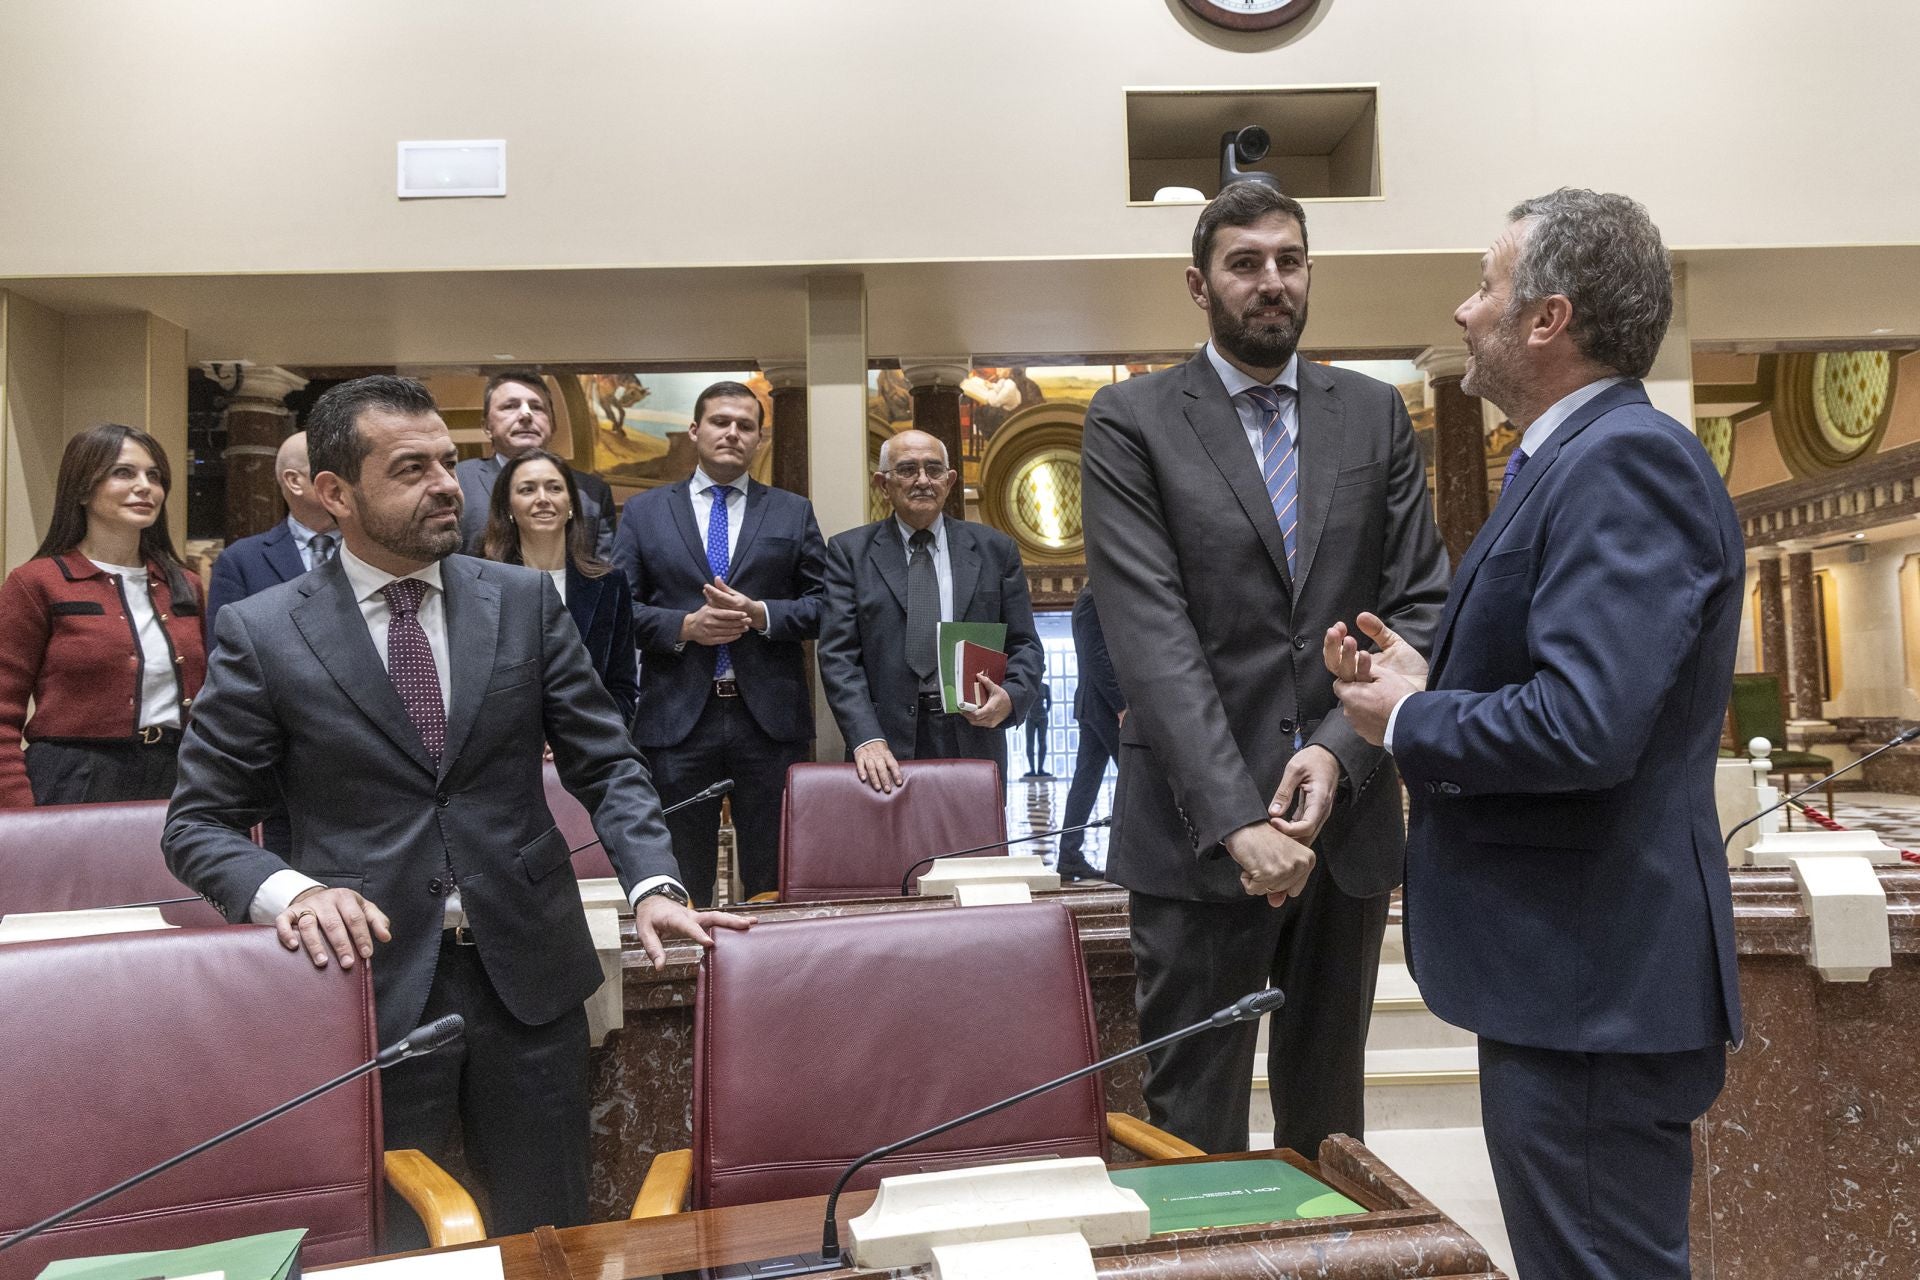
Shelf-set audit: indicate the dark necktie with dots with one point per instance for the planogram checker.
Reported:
(410, 665)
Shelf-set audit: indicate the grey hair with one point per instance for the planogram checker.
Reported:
(886, 453)
(1603, 254)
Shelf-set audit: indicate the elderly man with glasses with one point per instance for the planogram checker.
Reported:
(889, 586)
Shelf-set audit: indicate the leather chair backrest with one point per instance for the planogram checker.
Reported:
(839, 838)
(576, 824)
(816, 1041)
(125, 1049)
(69, 857)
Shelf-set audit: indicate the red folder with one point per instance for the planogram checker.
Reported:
(970, 662)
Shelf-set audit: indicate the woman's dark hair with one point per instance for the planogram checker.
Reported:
(88, 458)
(502, 539)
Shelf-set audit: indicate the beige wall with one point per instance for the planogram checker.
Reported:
(229, 135)
(32, 422)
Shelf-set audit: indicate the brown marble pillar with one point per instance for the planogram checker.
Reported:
(257, 420)
(789, 381)
(1459, 450)
(1773, 614)
(936, 410)
(1804, 626)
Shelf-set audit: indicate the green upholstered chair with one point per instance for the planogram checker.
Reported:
(1759, 711)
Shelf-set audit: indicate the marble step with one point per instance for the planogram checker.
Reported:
(1401, 1019)
(1426, 1088)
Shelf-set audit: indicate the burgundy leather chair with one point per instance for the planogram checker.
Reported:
(576, 824)
(125, 1049)
(839, 838)
(73, 856)
(815, 1041)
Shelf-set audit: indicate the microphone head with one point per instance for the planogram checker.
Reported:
(719, 788)
(1905, 736)
(1249, 1007)
(437, 1034)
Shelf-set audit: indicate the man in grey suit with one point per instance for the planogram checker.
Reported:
(519, 418)
(1237, 505)
(398, 696)
(889, 586)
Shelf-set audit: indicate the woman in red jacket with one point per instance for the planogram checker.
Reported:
(101, 629)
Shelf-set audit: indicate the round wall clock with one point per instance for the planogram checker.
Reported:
(1250, 15)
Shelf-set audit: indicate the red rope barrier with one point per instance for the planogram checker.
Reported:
(1822, 820)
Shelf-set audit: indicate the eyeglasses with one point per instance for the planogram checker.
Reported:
(907, 472)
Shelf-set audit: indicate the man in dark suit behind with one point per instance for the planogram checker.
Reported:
(724, 598)
(518, 418)
(1098, 708)
(305, 540)
(889, 586)
(398, 697)
(1237, 505)
(1567, 894)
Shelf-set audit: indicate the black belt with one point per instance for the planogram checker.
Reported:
(152, 735)
(934, 702)
(461, 935)
(726, 688)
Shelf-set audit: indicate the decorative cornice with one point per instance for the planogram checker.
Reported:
(1863, 495)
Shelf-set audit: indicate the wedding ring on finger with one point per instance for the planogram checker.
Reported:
(304, 914)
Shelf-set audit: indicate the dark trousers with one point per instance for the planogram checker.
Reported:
(726, 742)
(938, 736)
(518, 1094)
(1593, 1156)
(1099, 740)
(70, 771)
(1036, 747)
(1193, 958)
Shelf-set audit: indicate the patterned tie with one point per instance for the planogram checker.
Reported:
(1279, 464)
(1517, 460)
(923, 606)
(717, 564)
(321, 548)
(410, 665)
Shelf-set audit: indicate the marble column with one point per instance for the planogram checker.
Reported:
(1773, 613)
(1803, 625)
(788, 379)
(257, 420)
(935, 383)
(1459, 449)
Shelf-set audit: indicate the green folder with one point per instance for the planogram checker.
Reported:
(988, 635)
(1230, 1193)
(263, 1257)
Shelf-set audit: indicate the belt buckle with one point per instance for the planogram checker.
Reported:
(726, 688)
(150, 734)
(462, 935)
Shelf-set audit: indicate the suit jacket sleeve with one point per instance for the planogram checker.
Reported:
(595, 755)
(1096, 664)
(604, 526)
(654, 628)
(1625, 562)
(1026, 658)
(799, 617)
(1413, 585)
(1172, 699)
(623, 664)
(26, 628)
(224, 587)
(228, 759)
(839, 653)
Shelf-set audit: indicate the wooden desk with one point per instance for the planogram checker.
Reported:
(1401, 1235)
(641, 1080)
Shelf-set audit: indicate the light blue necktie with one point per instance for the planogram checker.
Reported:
(1279, 465)
(717, 564)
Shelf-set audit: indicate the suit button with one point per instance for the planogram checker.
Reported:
(1300, 642)
(436, 887)
(443, 799)
(1286, 726)
(1433, 788)
(1449, 788)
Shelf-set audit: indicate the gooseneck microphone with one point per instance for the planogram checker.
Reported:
(422, 1040)
(1898, 740)
(907, 880)
(713, 792)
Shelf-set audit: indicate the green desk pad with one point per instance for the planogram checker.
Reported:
(1230, 1193)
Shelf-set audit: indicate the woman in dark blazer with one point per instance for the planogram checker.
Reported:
(101, 631)
(531, 521)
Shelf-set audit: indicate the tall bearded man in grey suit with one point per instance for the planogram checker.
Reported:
(1237, 505)
(398, 697)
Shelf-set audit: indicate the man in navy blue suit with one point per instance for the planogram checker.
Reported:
(305, 540)
(726, 576)
(1566, 894)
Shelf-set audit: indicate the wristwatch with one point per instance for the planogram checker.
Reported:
(666, 889)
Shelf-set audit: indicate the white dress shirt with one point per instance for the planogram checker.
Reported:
(700, 493)
(1253, 419)
(303, 539)
(1531, 442)
(159, 683)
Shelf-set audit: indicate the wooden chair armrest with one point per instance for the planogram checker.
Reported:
(665, 1191)
(768, 896)
(1138, 1136)
(445, 1208)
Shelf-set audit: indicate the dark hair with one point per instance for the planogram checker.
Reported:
(502, 539)
(84, 464)
(525, 377)
(729, 391)
(1241, 204)
(334, 440)
(1603, 254)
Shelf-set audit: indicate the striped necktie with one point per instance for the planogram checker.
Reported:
(1279, 464)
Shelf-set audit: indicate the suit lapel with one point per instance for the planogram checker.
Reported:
(682, 507)
(1321, 416)
(283, 553)
(963, 561)
(890, 559)
(583, 599)
(473, 638)
(1211, 414)
(750, 518)
(330, 621)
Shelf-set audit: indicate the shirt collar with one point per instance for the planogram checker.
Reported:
(367, 581)
(1236, 381)
(301, 534)
(1536, 436)
(939, 528)
(702, 482)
